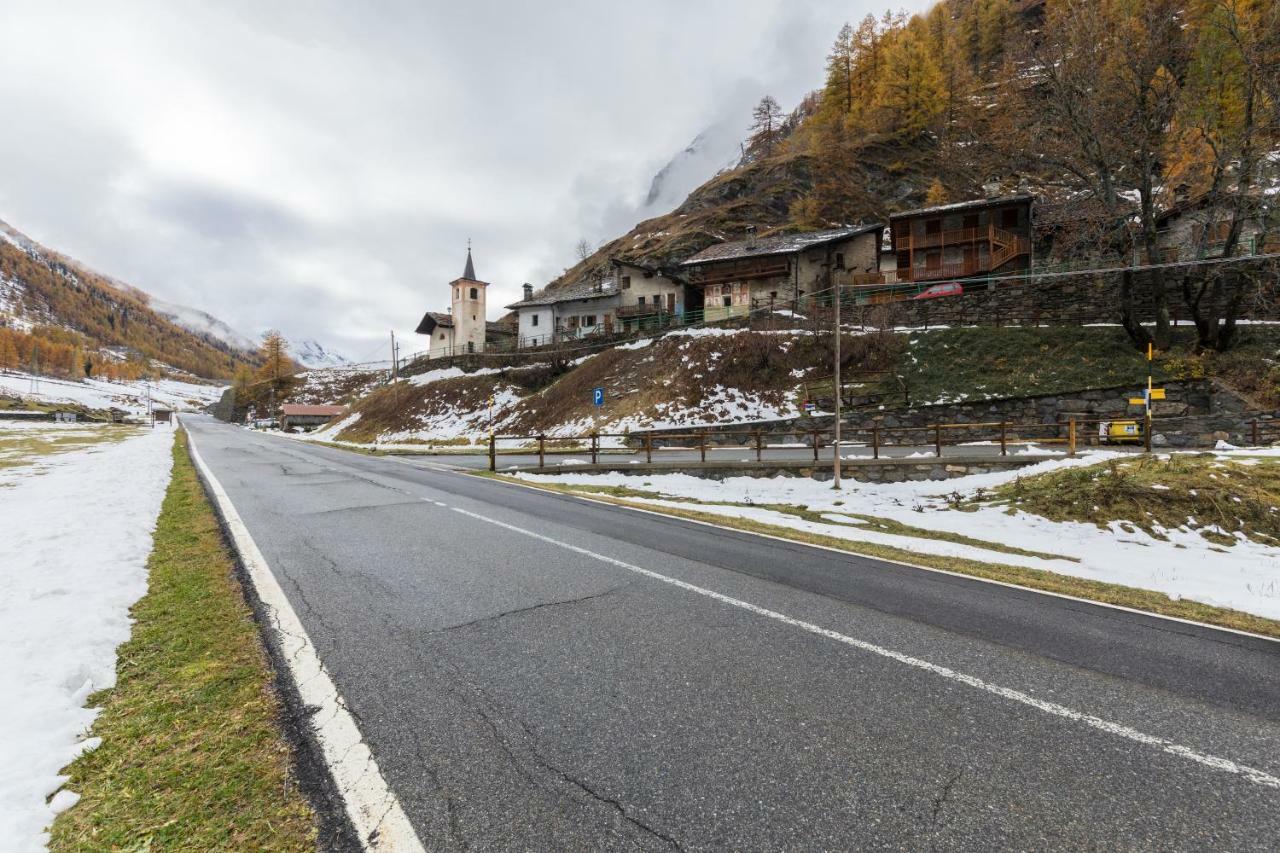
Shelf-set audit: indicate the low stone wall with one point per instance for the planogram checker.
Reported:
(1066, 301)
(862, 470)
(1194, 413)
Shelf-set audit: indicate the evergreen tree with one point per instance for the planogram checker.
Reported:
(9, 358)
(910, 94)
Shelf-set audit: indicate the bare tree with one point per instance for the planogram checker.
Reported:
(583, 250)
(766, 125)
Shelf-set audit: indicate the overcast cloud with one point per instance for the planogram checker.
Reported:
(319, 166)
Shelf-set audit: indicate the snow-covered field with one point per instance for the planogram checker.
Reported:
(1244, 577)
(102, 394)
(75, 532)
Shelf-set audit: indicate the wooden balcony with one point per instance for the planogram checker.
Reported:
(630, 312)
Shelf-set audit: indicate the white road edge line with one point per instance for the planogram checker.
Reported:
(1258, 777)
(372, 807)
(508, 480)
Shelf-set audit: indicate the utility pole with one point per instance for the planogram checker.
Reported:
(836, 465)
(394, 365)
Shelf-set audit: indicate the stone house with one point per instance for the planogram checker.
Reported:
(1197, 228)
(735, 278)
(648, 295)
(580, 310)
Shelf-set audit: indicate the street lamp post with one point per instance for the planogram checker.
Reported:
(835, 468)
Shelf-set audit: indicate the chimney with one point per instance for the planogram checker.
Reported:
(991, 188)
(751, 236)
(528, 291)
(1182, 194)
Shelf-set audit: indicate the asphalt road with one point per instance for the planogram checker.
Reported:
(538, 672)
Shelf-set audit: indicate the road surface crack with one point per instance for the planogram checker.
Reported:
(495, 617)
(940, 801)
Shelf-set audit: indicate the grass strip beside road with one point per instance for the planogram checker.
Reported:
(192, 754)
(1106, 593)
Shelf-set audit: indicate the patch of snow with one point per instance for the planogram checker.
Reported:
(74, 542)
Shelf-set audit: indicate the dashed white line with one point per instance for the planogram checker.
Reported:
(1252, 774)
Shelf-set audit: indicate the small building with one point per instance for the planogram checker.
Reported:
(649, 296)
(1197, 227)
(580, 310)
(734, 278)
(303, 418)
(967, 239)
(464, 329)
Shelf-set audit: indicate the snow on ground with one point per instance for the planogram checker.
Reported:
(1244, 577)
(130, 396)
(74, 540)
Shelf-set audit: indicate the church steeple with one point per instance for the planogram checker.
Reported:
(470, 272)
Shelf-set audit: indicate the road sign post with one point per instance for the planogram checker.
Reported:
(597, 396)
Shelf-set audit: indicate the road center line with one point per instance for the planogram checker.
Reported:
(1257, 777)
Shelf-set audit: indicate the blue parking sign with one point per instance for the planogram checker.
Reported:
(597, 394)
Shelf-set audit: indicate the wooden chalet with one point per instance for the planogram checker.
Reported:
(967, 239)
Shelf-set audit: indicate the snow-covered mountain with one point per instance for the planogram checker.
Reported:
(712, 151)
(312, 354)
(202, 323)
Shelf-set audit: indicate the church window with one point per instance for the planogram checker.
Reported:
(475, 293)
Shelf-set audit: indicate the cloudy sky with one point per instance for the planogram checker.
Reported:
(319, 166)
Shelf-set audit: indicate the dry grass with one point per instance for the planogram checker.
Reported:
(1218, 498)
(192, 756)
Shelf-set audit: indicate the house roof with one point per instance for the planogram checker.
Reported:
(972, 204)
(575, 292)
(432, 319)
(783, 244)
(299, 410)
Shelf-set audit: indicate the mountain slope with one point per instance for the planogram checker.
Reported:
(73, 320)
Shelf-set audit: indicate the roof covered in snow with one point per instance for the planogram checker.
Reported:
(783, 244)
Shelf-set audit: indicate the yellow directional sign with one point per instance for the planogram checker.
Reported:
(1157, 393)
(1137, 401)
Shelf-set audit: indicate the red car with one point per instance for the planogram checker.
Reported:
(951, 288)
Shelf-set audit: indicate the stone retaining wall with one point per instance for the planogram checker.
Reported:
(1195, 413)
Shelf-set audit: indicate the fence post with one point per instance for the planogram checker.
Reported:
(542, 451)
(1255, 443)
(875, 441)
(815, 445)
(937, 439)
(1071, 437)
(648, 448)
(1004, 443)
(493, 452)
(595, 447)
(702, 444)
(760, 446)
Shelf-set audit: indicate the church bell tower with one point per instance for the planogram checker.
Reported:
(468, 309)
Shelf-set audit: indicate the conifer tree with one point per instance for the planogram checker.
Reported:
(910, 95)
(766, 124)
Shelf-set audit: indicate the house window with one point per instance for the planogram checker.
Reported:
(533, 321)
(639, 300)
(839, 260)
(971, 220)
(933, 226)
(1009, 218)
(475, 293)
(589, 320)
(626, 282)
(728, 300)
(442, 336)
(471, 346)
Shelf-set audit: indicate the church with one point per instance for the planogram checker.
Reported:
(464, 329)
